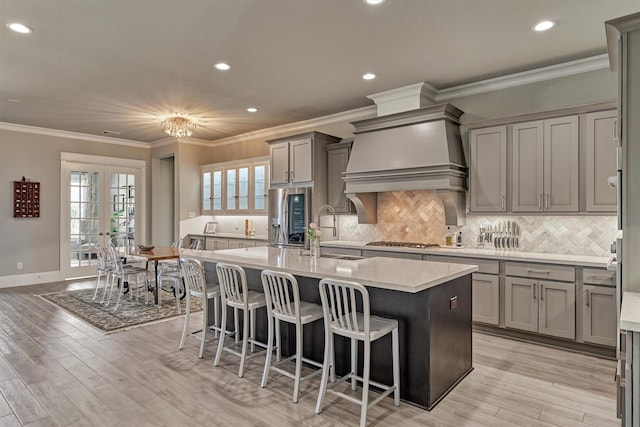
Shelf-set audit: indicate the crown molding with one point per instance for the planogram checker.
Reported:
(566, 69)
(71, 135)
(173, 140)
(300, 127)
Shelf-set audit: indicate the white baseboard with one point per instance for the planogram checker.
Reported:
(30, 279)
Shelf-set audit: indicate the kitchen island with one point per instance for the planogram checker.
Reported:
(431, 302)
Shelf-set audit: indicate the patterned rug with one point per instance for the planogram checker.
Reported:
(131, 312)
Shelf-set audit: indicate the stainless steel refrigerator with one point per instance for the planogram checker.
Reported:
(289, 215)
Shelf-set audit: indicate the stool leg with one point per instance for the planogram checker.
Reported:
(328, 351)
(252, 334)
(396, 367)
(267, 361)
(223, 333)
(205, 322)
(187, 315)
(354, 363)
(245, 341)
(296, 381)
(365, 383)
(95, 293)
(216, 316)
(278, 341)
(236, 324)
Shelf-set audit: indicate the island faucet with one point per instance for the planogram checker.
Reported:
(333, 214)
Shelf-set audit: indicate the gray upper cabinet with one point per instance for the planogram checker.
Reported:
(488, 171)
(337, 160)
(601, 160)
(545, 165)
(291, 161)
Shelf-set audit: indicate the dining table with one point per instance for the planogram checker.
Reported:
(156, 254)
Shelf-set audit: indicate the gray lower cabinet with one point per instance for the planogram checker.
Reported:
(599, 315)
(214, 243)
(542, 306)
(486, 298)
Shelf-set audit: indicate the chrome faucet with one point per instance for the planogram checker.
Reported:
(333, 214)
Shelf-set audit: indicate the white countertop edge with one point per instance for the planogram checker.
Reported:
(630, 312)
(548, 258)
(235, 256)
(231, 236)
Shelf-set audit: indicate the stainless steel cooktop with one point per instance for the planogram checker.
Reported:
(403, 244)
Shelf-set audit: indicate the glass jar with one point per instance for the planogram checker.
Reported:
(314, 248)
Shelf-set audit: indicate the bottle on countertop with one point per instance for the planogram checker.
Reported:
(448, 237)
(459, 238)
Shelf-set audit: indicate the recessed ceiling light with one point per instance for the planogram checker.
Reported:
(222, 66)
(373, 2)
(369, 76)
(19, 28)
(544, 25)
(252, 109)
(13, 100)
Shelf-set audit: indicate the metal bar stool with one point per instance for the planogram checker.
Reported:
(196, 287)
(283, 304)
(341, 318)
(235, 294)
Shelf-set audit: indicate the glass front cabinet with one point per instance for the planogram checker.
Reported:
(235, 187)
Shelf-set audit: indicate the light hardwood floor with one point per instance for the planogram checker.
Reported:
(56, 370)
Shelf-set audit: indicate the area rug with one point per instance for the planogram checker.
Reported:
(131, 312)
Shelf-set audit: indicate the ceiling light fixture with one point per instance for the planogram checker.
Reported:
(374, 2)
(252, 109)
(179, 126)
(544, 25)
(19, 28)
(222, 66)
(369, 76)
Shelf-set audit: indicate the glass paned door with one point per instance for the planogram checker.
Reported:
(100, 210)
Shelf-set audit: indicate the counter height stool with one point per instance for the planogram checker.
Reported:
(235, 294)
(341, 318)
(283, 304)
(196, 287)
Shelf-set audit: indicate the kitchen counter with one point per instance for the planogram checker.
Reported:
(505, 255)
(387, 273)
(431, 302)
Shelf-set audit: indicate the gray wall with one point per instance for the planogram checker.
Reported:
(36, 242)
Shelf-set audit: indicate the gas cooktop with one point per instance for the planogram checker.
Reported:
(403, 244)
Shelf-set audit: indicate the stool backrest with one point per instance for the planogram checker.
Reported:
(193, 275)
(102, 255)
(177, 243)
(339, 302)
(115, 260)
(281, 292)
(233, 283)
(196, 245)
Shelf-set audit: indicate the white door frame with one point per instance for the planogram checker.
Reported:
(66, 159)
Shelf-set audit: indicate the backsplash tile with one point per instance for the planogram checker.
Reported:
(418, 216)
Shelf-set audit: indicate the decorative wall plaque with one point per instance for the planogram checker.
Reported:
(26, 199)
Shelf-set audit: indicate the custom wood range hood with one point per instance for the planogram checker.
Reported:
(419, 149)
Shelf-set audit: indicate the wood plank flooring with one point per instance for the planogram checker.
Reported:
(56, 370)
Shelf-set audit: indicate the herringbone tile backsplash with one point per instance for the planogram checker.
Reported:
(418, 216)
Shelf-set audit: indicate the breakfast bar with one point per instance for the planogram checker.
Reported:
(430, 300)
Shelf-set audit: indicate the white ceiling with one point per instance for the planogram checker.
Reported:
(122, 65)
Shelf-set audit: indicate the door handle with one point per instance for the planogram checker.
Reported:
(587, 299)
(532, 270)
(534, 290)
(502, 202)
(541, 291)
(540, 202)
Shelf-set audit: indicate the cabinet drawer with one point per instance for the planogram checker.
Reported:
(541, 271)
(597, 276)
(486, 266)
(342, 251)
(389, 254)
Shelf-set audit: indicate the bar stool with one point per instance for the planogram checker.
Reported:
(196, 287)
(340, 318)
(283, 304)
(235, 294)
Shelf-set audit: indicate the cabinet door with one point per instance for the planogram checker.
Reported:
(240, 243)
(527, 165)
(217, 189)
(301, 158)
(557, 309)
(601, 160)
(599, 315)
(212, 244)
(260, 187)
(206, 196)
(280, 163)
(561, 164)
(521, 304)
(486, 298)
(337, 160)
(488, 180)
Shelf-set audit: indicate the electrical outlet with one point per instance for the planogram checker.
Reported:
(192, 214)
(19, 265)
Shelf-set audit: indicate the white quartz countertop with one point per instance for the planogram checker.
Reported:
(402, 275)
(630, 312)
(232, 236)
(505, 255)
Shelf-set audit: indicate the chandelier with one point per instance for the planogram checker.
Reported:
(178, 126)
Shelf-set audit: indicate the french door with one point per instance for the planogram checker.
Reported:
(101, 205)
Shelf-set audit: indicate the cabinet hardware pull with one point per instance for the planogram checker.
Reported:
(531, 270)
(540, 202)
(599, 278)
(541, 291)
(293, 175)
(615, 132)
(547, 202)
(587, 299)
(502, 202)
(534, 290)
